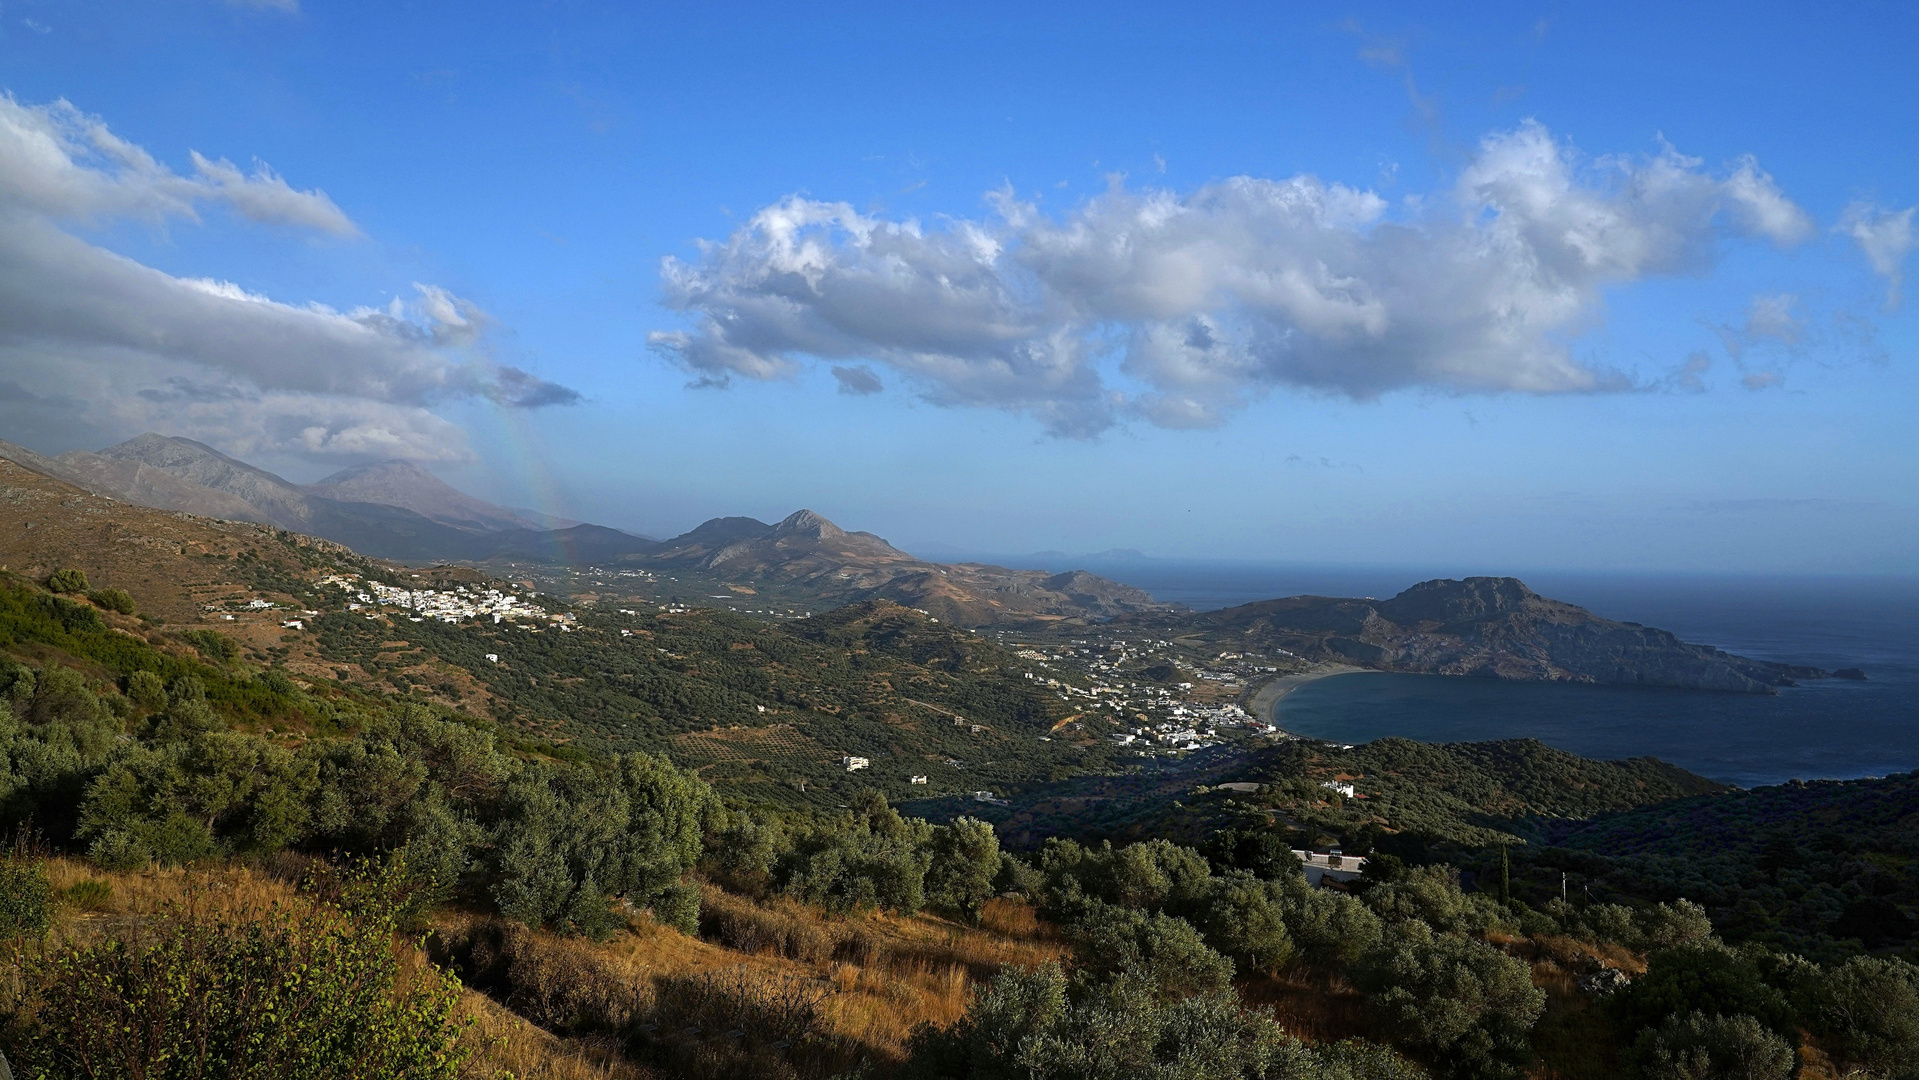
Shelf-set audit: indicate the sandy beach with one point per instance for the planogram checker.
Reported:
(1265, 703)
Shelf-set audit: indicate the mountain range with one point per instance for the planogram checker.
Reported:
(397, 510)
(1482, 626)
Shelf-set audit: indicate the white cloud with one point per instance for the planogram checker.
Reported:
(1886, 238)
(84, 323)
(1178, 308)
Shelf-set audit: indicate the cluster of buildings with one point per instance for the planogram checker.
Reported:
(445, 605)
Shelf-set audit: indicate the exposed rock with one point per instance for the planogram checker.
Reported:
(1605, 981)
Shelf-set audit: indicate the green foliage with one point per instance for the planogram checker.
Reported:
(1464, 1003)
(867, 859)
(147, 690)
(93, 894)
(1825, 869)
(286, 994)
(30, 617)
(1041, 1025)
(118, 600)
(1868, 1008)
(67, 580)
(213, 645)
(1432, 895)
(1112, 940)
(571, 837)
(1708, 978)
(1245, 918)
(1264, 853)
(1464, 793)
(26, 898)
(1698, 1046)
(678, 906)
(965, 860)
(1152, 875)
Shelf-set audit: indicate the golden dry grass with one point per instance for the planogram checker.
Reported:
(500, 1041)
(1311, 1006)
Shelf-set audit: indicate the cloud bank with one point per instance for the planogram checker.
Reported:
(129, 347)
(1180, 308)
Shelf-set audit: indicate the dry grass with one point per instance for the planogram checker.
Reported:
(1313, 1006)
(500, 1041)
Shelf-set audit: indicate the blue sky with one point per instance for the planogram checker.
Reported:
(1570, 286)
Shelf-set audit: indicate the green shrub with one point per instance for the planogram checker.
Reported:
(1111, 940)
(1465, 1003)
(67, 580)
(118, 600)
(289, 994)
(1701, 1047)
(147, 690)
(966, 858)
(26, 899)
(678, 906)
(1869, 1009)
(93, 894)
(213, 645)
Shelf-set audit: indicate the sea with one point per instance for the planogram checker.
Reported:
(1825, 729)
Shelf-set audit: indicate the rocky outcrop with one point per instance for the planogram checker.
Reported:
(1490, 627)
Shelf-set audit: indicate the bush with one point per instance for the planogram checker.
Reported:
(1701, 1047)
(1869, 1009)
(966, 858)
(1711, 979)
(1245, 918)
(1463, 1002)
(678, 906)
(118, 600)
(93, 894)
(147, 690)
(305, 993)
(1111, 940)
(26, 898)
(1040, 1025)
(67, 580)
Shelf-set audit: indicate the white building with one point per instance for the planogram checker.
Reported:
(916, 779)
(852, 762)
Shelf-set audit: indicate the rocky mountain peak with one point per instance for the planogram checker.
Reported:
(807, 523)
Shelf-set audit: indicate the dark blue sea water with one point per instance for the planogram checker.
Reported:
(1825, 729)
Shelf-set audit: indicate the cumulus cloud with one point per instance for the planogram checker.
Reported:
(204, 356)
(1885, 236)
(1178, 308)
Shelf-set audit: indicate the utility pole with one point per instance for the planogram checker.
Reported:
(1562, 886)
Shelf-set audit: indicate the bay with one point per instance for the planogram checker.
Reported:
(1828, 729)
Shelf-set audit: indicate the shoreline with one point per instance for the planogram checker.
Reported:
(1264, 704)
